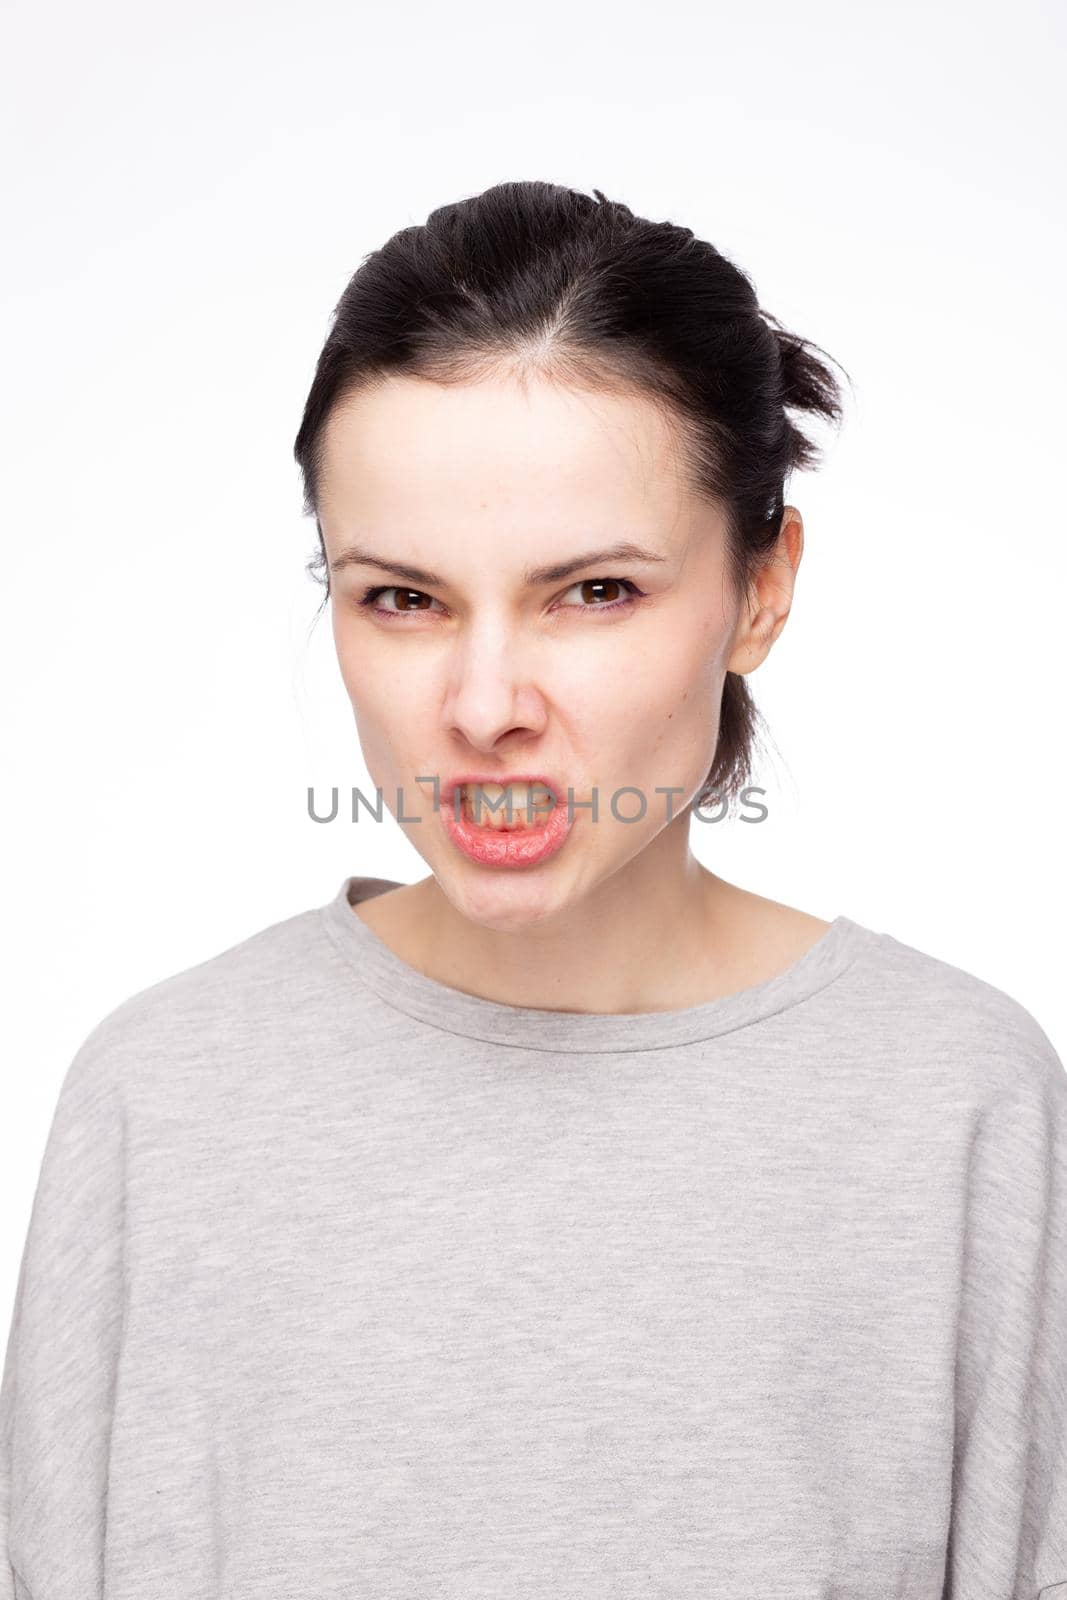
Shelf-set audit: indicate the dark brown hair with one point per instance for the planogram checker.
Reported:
(536, 277)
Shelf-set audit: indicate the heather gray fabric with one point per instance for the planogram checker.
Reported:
(343, 1283)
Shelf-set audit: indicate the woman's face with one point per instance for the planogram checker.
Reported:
(601, 677)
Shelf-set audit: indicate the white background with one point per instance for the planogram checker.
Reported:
(187, 192)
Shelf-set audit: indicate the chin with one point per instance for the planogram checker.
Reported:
(503, 901)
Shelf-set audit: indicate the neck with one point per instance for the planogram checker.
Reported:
(660, 933)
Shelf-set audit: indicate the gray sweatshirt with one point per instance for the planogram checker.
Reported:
(340, 1282)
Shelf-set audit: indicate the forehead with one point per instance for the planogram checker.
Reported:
(535, 454)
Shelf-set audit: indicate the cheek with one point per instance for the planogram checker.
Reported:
(650, 729)
(344, 643)
(391, 715)
(388, 708)
(377, 680)
(390, 741)
(666, 711)
(673, 682)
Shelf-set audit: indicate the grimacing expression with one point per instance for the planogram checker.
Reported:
(609, 677)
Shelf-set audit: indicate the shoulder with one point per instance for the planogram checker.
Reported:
(956, 1018)
(235, 999)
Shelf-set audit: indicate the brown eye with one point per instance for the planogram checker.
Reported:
(603, 594)
(407, 600)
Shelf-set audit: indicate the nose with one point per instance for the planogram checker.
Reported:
(491, 696)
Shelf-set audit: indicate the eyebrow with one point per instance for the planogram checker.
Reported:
(357, 556)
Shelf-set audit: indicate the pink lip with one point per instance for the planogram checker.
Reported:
(522, 846)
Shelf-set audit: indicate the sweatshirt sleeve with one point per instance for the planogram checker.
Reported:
(1008, 1536)
(63, 1344)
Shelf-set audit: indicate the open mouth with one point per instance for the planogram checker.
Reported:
(506, 807)
(518, 824)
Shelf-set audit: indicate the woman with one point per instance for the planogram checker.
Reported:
(571, 1222)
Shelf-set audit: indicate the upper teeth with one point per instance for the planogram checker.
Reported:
(496, 805)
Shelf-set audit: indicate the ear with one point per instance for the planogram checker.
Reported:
(766, 606)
